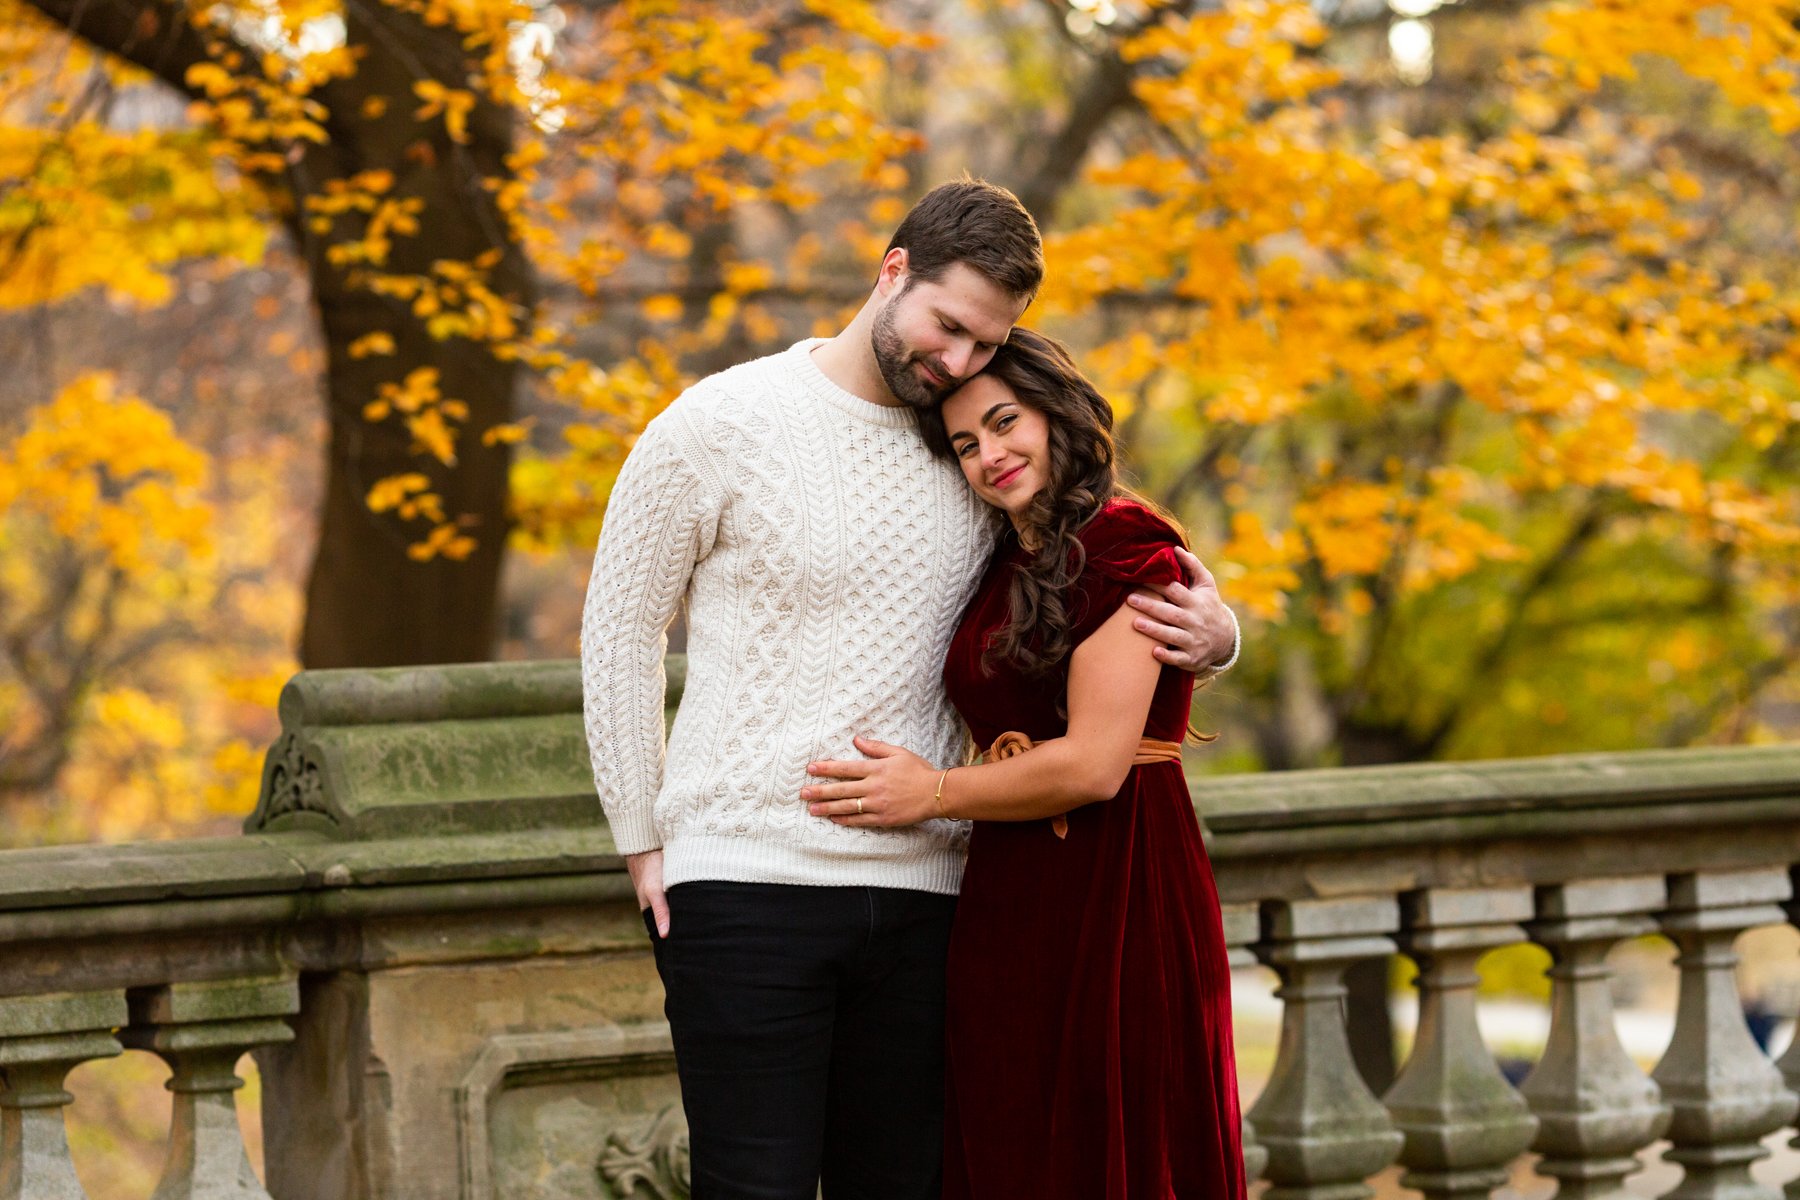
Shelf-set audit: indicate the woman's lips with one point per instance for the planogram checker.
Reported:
(1007, 478)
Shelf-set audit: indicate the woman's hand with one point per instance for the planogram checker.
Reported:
(890, 788)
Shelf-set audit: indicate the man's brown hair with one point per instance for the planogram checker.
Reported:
(977, 223)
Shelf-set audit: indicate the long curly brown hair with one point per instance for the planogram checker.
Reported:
(1041, 375)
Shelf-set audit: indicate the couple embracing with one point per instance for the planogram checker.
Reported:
(887, 542)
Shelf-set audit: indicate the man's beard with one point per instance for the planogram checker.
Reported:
(896, 363)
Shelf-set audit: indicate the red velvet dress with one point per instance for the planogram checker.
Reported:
(1089, 1006)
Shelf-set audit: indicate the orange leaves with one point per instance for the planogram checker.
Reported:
(370, 344)
(428, 416)
(434, 422)
(383, 217)
(406, 494)
(1747, 48)
(1228, 62)
(1351, 527)
(409, 497)
(90, 207)
(453, 104)
(446, 541)
(1257, 569)
(108, 474)
(662, 308)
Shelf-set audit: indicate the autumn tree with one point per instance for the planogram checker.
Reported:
(125, 709)
(425, 159)
(1483, 411)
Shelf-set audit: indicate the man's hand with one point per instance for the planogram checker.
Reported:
(1195, 628)
(646, 878)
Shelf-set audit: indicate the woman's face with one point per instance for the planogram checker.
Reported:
(1003, 445)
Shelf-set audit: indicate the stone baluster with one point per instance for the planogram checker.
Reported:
(1462, 1120)
(1726, 1095)
(1324, 1132)
(1789, 1066)
(1242, 928)
(43, 1038)
(201, 1030)
(1595, 1108)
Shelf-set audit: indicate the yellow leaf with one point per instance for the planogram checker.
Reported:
(372, 343)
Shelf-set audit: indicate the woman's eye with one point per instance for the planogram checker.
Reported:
(962, 451)
(1002, 423)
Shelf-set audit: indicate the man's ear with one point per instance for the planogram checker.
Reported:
(893, 272)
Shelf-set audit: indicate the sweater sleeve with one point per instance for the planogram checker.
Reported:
(660, 521)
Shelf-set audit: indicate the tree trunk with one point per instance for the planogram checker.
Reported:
(368, 602)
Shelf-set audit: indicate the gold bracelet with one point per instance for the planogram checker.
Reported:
(937, 801)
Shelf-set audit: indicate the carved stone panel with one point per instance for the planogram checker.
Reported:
(579, 1114)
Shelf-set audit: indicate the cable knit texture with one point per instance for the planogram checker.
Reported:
(824, 557)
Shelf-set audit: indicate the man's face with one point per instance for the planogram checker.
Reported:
(933, 334)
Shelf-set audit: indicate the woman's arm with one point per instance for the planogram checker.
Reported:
(1112, 676)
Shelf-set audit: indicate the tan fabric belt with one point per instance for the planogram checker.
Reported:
(1149, 750)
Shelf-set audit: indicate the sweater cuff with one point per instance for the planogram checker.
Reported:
(1237, 641)
(633, 830)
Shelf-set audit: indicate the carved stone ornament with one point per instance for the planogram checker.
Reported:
(294, 784)
(652, 1163)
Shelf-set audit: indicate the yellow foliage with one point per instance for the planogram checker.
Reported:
(1258, 569)
(124, 546)
(371, 344)
(108, 473)
(90, 207)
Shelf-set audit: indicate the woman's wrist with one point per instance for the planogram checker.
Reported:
(937, 799)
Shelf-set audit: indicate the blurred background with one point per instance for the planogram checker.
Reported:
(1462, 336)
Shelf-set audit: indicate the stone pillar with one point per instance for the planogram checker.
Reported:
(1324, 1131)
(201, 1030)
(1462, 1120)
(1595, 1108)
(1726, 1095)
(1789, 1066)
(1241, 930)
(43, 1038)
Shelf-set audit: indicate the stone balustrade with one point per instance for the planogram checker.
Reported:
(428, 943)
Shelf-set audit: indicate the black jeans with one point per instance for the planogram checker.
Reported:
(809, 1036)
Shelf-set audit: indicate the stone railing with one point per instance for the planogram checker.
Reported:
(428, 942)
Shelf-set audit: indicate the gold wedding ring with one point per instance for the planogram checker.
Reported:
(859, 806)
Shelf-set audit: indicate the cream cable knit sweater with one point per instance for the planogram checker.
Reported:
(825, 558)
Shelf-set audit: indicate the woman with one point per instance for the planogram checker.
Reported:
(1088, 1019)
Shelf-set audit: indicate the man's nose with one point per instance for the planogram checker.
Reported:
(956, 359)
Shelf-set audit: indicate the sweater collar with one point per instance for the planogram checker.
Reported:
(889, 416)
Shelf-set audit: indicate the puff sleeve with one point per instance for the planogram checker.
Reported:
(1128, 547)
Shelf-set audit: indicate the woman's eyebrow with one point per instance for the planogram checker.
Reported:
(989, 414)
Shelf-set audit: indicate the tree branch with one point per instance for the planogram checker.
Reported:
(144, 33)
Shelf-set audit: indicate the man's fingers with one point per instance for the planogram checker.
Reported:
(1165, 636)
(1197, 574)
(1156, 608)
(659, 912)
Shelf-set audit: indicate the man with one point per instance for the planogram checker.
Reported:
(824, 556)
